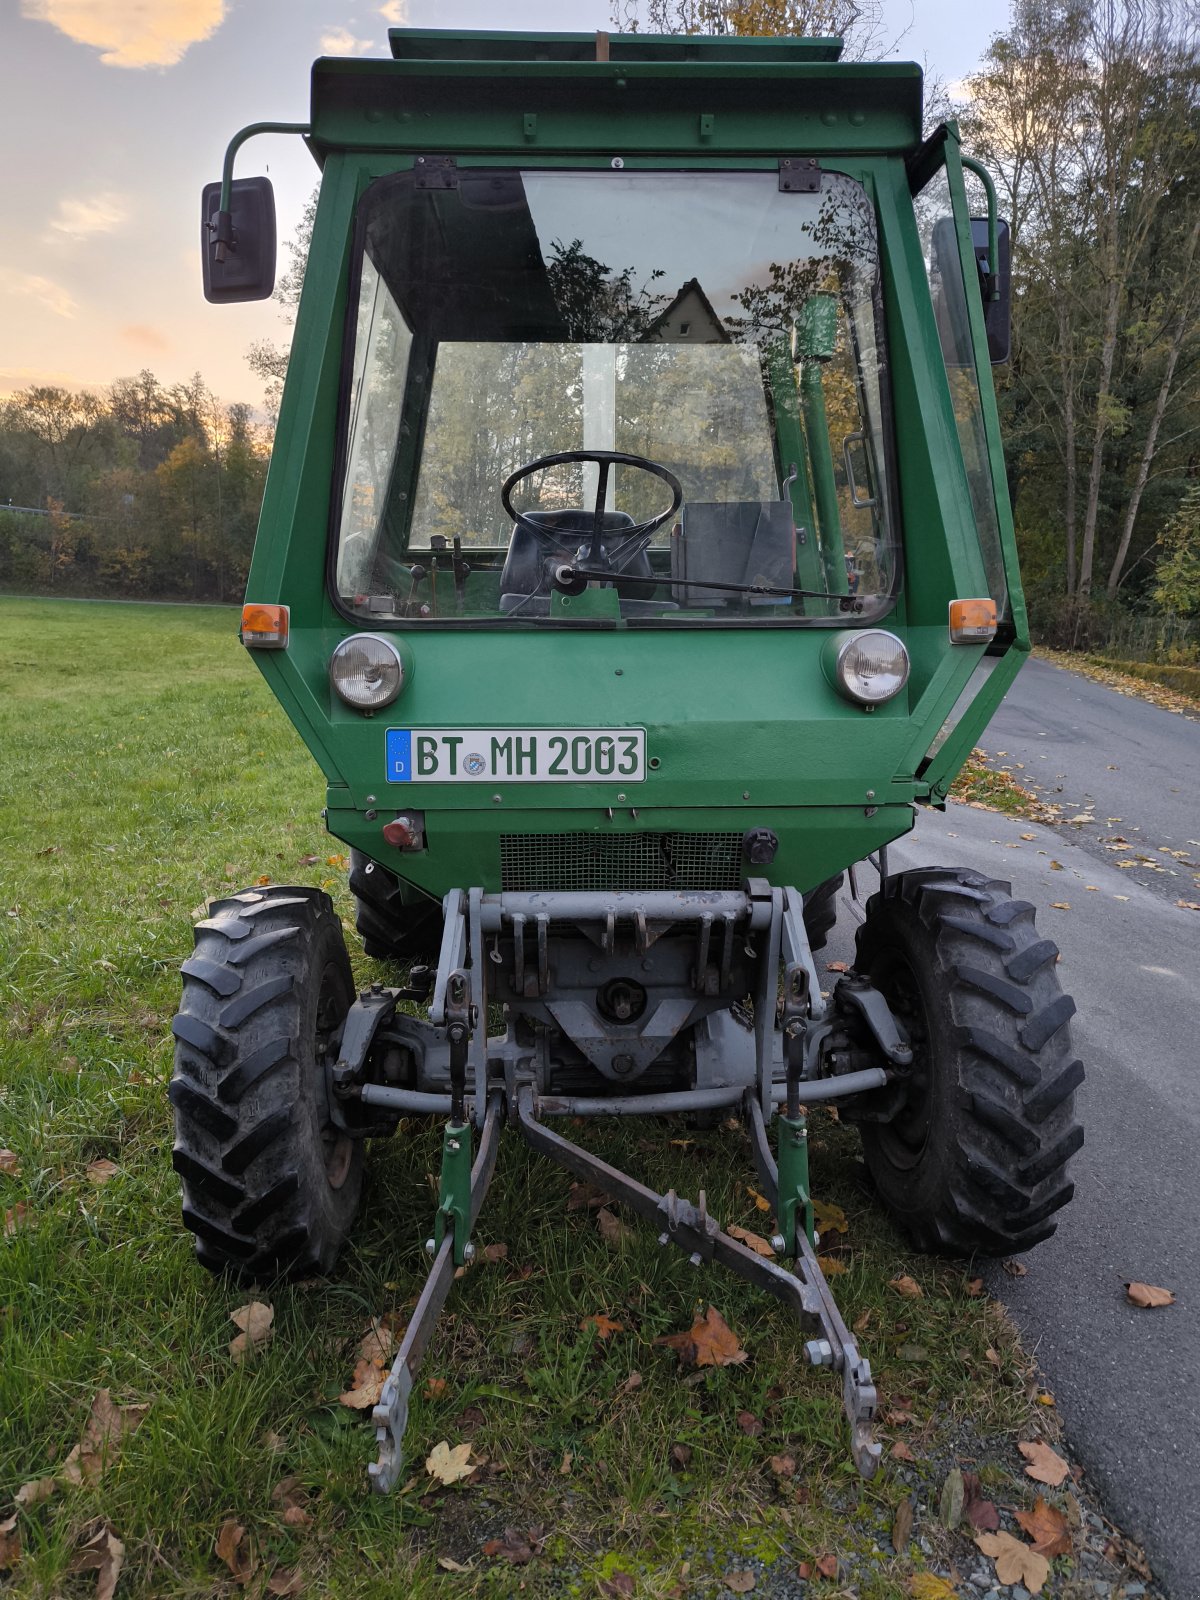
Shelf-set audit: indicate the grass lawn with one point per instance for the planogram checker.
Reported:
(143, 767)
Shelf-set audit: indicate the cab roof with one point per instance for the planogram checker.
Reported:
(458, 92)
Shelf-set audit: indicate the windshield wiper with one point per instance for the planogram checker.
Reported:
(846, 602)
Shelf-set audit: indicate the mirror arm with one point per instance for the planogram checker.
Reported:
(993, 272)
(223, 225)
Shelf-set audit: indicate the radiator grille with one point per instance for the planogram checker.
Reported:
(564, 861)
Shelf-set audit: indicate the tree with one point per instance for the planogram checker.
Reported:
(268, 360)
(860, 25)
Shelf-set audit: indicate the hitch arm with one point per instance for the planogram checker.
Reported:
(700, 1235)
(391, 1414)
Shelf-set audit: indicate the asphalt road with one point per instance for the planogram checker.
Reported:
(1126, 1382)
(1131, 765)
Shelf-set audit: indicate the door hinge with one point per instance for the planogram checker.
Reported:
(799, 174)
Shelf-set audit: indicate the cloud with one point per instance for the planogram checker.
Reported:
(341, 42)
(395, 12)
(80, 219)
(132, 33)
(47, 293)
(144, 336)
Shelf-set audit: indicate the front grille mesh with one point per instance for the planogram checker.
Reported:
(564, 861)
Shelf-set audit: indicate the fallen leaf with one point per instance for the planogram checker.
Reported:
(33, 1493)
(1029, 836)
(435, 1388)
(829, 1219)
(611, 1229)
(908, 1287)
(901, 1451)
(1147, 1295)
(928, 1586)
(831, 1266)
(973, 1287)
(1189, 905)
(783, 1466)
(447, 1465)
(10, 1163)
(106, 1426)
(1016, 1562)
(103, 1554)
(902, 1526)
(1060, 905)
(950, 1504)
(102, 1170)
(897, 1418)
(1056, 866)
(709, 1342)
(993, 1357)
(254, 1319)
(837, 966)
(1042, 1463)
(827, 1566)
(492, 1253)
(761, 1202)
(1045, 1398)
(1048, 1528)
(754, 1240)
(980, 1513)
(285, 1581)
(618, 1585)
(379, 1340)
(681, 1454)
(236, 1550)
(804, 1570)
(749, 1424)
(632, 1382)
(586, 1195)
(365, 1386)
(740, 1582)
(308, 861)
(564, 1466)
(605, 1327)
(448, 1564)
(18, 1216)
(861, 1322)
(1015, 1269)
(10, 1544)
(515, 1547)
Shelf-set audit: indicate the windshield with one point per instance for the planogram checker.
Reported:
(719, 335)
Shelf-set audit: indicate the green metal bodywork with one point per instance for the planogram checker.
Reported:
(743, 728)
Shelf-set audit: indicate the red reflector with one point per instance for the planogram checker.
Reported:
(401, 834)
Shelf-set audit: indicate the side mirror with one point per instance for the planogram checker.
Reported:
(995, 279)
(238, 246)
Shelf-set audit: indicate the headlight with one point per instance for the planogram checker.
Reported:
(869, 667)
(366, 670)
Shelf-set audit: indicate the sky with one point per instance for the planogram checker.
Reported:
(115, 113)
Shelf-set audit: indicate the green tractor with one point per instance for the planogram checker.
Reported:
(636, 557)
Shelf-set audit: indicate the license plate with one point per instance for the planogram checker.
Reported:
(515, 755)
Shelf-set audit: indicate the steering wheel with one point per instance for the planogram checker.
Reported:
(631, 539)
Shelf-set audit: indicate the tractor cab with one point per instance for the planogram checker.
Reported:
(635, 558)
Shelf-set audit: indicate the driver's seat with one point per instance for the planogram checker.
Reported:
(565, 531)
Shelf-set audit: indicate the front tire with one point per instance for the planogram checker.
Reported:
(269, 1184)
(975, 1159)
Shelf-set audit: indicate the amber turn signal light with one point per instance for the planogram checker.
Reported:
(972, 621)
(264, 627)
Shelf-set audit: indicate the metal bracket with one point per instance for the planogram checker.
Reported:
(436, 172)
(854, 993)
(799, 175)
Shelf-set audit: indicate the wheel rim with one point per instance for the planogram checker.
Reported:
(904, 1139)
(331, 1013)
